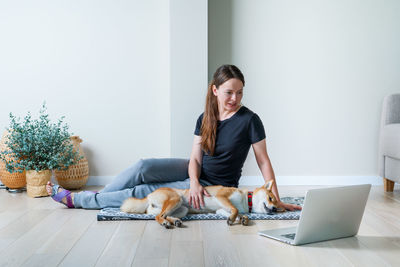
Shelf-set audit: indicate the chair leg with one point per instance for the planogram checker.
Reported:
(388, 185)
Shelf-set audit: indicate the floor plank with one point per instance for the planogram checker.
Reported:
(90, 246)
(218, 244)
(23, 247)
(187, 253)
(122, 247)
(52, 252)
(41, 232)
(19, 227)
(154, 246)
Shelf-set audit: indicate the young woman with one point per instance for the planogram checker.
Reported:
(224, 134)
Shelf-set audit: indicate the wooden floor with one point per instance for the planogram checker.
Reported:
(40, 232)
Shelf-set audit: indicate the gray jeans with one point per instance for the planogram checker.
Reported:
(138, 181)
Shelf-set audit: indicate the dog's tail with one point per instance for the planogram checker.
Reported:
(135, 205)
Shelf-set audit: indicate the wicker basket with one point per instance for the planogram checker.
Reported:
(77, 175)
(11, 180)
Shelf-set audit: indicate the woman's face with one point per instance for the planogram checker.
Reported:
(229, 94)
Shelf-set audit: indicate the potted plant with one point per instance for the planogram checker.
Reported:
(14, 181)
(38, 147)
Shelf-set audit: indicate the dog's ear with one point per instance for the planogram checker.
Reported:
(269, 184)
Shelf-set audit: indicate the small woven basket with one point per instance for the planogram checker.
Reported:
(75, 176)
(36, 183)
(11, 180)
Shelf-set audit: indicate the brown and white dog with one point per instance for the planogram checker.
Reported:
(169, 204)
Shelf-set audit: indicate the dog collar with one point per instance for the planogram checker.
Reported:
(250, 200)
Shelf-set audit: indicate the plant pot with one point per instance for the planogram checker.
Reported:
(36, 183)
(11, 180)
(75, 176)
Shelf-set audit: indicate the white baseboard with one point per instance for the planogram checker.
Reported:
(281, 180)
(314, 180)
(100, 180)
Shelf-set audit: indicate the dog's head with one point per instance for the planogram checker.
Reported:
(264, 201)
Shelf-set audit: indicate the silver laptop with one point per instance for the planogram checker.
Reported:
(328, 213)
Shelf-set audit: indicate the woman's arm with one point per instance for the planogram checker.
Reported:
(195, 160)
(264, 163)
(196, 191)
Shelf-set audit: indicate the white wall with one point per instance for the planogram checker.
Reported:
(130, 76)
(102, 64)
(188, 69)
(316, 73)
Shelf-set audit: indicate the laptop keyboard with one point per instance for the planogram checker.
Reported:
(290, 236)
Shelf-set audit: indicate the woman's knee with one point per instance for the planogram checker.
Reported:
(162, 164)
(139, 164)
(143, 165)
(155, 170)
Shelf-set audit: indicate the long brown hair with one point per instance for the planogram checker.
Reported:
(210, 118)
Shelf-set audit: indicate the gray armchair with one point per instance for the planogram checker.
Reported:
(389, 143)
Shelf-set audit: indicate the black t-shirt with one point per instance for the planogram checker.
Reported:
(234, 138)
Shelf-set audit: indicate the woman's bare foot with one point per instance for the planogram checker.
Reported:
(49, 189)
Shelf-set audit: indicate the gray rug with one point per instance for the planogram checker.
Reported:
(114, 214)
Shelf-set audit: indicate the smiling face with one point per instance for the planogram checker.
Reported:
(229, 95)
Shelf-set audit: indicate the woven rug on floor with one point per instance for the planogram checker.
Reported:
(114, 214)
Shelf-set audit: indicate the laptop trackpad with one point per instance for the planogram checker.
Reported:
(288, 233)
(290, 236)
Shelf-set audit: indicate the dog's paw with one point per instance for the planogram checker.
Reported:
(229, 221)
(280, 209)
(178, 223)
(244, 220)
(167, 225)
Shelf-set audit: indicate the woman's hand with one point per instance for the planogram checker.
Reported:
(290, 207)
(196, 193)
